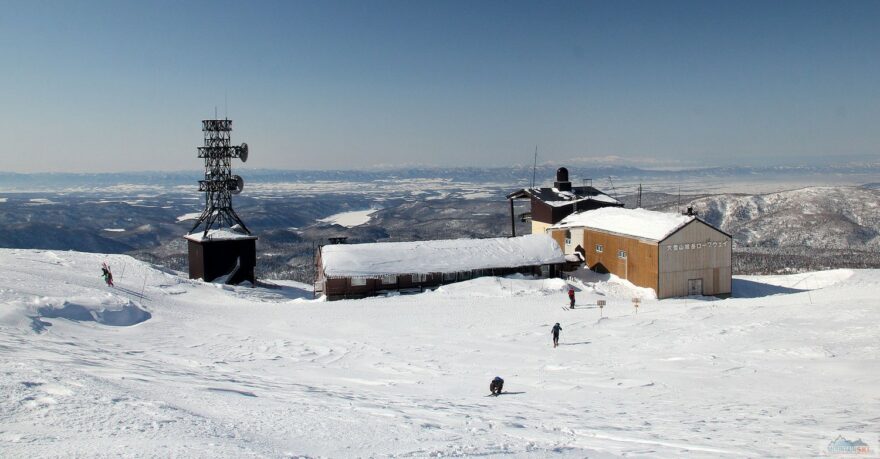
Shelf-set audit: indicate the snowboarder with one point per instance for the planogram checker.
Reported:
(571, 297)
(555, 332)
(105, 272)
(496, 385)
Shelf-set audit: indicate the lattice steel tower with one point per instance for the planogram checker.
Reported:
(219, 184)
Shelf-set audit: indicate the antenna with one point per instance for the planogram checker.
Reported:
(535, 167)
(613, 191)
(639, 201)
(219, 183)
(679, 199)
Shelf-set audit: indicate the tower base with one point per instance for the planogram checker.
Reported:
(211, 258)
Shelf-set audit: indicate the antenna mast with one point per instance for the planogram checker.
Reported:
(613, 191)
(535, 167)
(219, 183)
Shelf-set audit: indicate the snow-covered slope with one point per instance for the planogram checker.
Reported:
(201, 370)
(818, 217)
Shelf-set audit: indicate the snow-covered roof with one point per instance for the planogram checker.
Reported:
(234, 233)
(441, 256)
(641, 223)
(557, 198)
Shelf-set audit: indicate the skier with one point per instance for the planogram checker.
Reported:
(496, 385)
(108, 276)
(555, 332)
(571, 296)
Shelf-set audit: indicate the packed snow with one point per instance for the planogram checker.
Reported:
(350, 219)
(643, 223)
(220, 234)
(189, 216)
(162, 366)
(440, 256)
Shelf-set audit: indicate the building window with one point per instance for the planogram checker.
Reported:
(418, 277)
(448, 277)
(567, 237)
(599, 248)
(358, 281)
(621, 254)
(389, 279)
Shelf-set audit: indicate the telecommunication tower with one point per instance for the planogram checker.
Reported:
(220, 184)
(220, 244)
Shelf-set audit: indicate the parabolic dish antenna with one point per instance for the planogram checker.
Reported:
(243, 152)
(239, 184)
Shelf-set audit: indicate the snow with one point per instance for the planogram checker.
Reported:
(598, 197)
(441, 256)
(350, 219)
(41, 201)
(220, 371)
(2, 200)
(478, 195)
(114, 230)
(642, 223)
(189, 216)
(220, 234)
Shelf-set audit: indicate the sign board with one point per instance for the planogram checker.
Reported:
(600, 303)
(637, 300)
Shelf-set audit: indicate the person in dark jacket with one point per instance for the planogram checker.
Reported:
(496, 385)
(571, 296)
(555, 332)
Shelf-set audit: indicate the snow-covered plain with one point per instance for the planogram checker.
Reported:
(164, 366)
(350, 219)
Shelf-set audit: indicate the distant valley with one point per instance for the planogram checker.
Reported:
(797, 229)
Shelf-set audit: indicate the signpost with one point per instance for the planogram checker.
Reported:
(636, 302)
(601, 304)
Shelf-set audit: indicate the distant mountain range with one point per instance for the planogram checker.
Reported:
(815, 217)
(514, 175)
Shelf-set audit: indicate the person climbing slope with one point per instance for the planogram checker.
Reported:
(496, 385)
(555, 332)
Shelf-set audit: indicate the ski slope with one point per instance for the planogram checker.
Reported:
(167, 367)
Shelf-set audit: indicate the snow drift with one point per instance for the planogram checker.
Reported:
(243, 372)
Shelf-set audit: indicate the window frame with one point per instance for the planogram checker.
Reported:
(358, 281)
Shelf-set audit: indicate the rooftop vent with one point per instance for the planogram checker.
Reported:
(562, 183)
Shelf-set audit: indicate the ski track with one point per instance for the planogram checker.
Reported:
(239, 372)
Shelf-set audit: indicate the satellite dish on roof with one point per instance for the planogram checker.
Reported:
(239, 184)
(243, 152)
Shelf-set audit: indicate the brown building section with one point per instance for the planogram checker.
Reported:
(693, 260)
(629, 258)
(339, 288)
(549, 206)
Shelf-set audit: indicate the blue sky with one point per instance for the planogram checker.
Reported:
(122, 85)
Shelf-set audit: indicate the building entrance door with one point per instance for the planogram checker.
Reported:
(695, 287)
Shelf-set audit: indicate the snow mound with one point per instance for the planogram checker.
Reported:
(112, 310)
(609, 285)
(495, 287)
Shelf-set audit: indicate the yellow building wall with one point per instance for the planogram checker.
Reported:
(540, 228)
(639, 266)
(697, 251)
